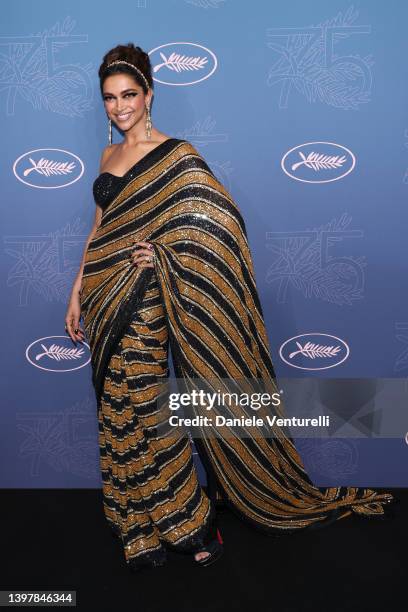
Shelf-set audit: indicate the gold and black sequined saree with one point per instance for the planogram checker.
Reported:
(201, 298)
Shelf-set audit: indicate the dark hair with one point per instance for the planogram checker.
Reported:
(133, 55)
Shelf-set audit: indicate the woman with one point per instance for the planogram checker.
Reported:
(168, 262)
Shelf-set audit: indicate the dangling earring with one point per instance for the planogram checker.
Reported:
(110, 131)
(148, 123)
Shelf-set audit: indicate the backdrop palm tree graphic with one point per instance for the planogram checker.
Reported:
(45, 264)
(303, 260)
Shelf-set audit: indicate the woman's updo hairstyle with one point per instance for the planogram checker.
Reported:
(133, 55)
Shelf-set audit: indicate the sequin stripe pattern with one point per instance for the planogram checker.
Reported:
(263, 480)
(111, 287)
(151, 496)
(216, 321)
(207, 284)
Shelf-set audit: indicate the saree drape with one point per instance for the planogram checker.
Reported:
(208, 300)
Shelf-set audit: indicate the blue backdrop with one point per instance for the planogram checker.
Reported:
(300, 109)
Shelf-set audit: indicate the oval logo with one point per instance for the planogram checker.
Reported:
(318, 162)
(48, 168)
(58, 354)
(314, 351)
(177, 63)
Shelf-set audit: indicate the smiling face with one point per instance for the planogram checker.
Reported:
(125, 100)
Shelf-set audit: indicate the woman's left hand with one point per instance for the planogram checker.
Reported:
(143, 256)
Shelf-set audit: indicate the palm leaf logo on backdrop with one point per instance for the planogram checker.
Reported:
(313, 351)
(48, 167)
(320, 161)
(178, 62)
(60, 353)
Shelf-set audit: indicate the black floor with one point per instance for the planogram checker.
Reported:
(59, 540)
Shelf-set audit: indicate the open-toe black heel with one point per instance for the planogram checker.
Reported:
(213, 544)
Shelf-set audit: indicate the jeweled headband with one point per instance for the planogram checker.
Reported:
(132, 66)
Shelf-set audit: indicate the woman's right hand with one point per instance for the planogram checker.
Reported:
(72, 318)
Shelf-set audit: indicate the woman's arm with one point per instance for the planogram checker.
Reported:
(76, 288)
(97, 221)
(73, 313)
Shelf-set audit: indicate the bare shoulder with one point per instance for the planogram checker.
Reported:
(106, 153)
(108, 150)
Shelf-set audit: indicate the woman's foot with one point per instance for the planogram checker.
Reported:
(212, 549)
(201, 555)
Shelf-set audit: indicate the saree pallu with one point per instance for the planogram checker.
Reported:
(207, 290)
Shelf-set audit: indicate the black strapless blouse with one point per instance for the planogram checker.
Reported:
(106, 186)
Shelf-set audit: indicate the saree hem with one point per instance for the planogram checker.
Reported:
(189, 545)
